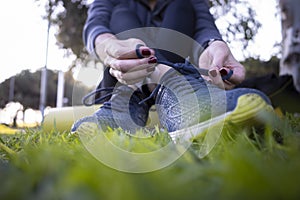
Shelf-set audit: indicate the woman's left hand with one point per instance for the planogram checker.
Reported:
(218, 58)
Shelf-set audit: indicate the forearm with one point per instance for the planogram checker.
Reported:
(97, 23)
(205, 28)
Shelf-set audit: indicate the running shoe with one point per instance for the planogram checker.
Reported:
(185, 99)
(124, 110)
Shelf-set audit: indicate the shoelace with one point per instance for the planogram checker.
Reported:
(93, 93)
(114, 90)
(180, 67)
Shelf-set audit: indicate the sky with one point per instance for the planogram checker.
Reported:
(23, 40)
(24, 32)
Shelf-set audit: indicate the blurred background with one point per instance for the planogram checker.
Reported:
(42, 51)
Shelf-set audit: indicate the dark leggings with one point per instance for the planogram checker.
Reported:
(178, 16)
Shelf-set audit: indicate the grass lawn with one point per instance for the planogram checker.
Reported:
(257, 163)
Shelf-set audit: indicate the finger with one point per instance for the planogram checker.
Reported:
(141, 51)
(238, 75)
(132, 74)
(216, 78)
(138, 52)
(234, 75)
(127, 49)
(130, 64)
(226, 73)
(228, 85)
(222, 79)
(131, 77)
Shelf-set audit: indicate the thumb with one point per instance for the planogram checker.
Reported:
(216, 77)
(217, 62)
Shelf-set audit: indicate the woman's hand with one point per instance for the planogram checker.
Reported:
(130, 61)
(218, 58)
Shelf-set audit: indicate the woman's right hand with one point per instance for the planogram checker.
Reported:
(128, 64)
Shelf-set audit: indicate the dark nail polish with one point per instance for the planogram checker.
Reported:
(146, 52)
(152, 60)
(213, 73)
(223, 72)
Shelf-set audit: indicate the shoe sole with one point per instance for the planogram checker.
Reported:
(247, 113)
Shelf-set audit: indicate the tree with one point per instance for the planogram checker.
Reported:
(255, 67)
(27, 89)
(70, 15)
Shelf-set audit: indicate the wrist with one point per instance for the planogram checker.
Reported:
(101, 43)
(210, 41)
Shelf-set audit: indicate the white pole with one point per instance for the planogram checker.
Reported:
(43, 89)
(60, 89)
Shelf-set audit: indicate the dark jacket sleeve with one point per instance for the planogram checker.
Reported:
(97, 22)
(205, 24)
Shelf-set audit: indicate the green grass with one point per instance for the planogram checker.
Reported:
(260, 163)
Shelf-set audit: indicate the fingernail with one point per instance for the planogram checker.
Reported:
(213, 73)
(152, 60)
(223, 72)
(146, 52)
